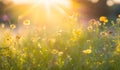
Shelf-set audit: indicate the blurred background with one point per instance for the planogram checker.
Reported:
(13, 10)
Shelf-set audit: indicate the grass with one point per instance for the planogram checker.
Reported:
(68, 47)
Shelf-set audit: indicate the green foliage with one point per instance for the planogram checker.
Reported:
(96, 47)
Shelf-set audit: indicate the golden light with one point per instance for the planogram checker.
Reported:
(47, 4)
(45, 12)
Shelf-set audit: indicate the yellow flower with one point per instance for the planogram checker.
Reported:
(9, 39)
(12, 26)
(87, 51)
(77, 32)
(103, 19)
(26, 22)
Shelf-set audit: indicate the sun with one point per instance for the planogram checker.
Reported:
(46, 11)
(46, 3)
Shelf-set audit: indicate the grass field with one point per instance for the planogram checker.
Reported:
(71, 46)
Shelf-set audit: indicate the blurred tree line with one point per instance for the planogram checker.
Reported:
(95, 10)
(90, 10)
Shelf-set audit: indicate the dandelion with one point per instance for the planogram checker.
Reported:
(12, 26)
(26, 22)
(87, 51)
(103, 19)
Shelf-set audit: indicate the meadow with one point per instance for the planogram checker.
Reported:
(70, 46)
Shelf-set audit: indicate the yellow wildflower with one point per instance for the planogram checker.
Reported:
(26, 22)
(103, 19)
(87, 51)
(8, 39)
(12, 26)
(77, 32)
